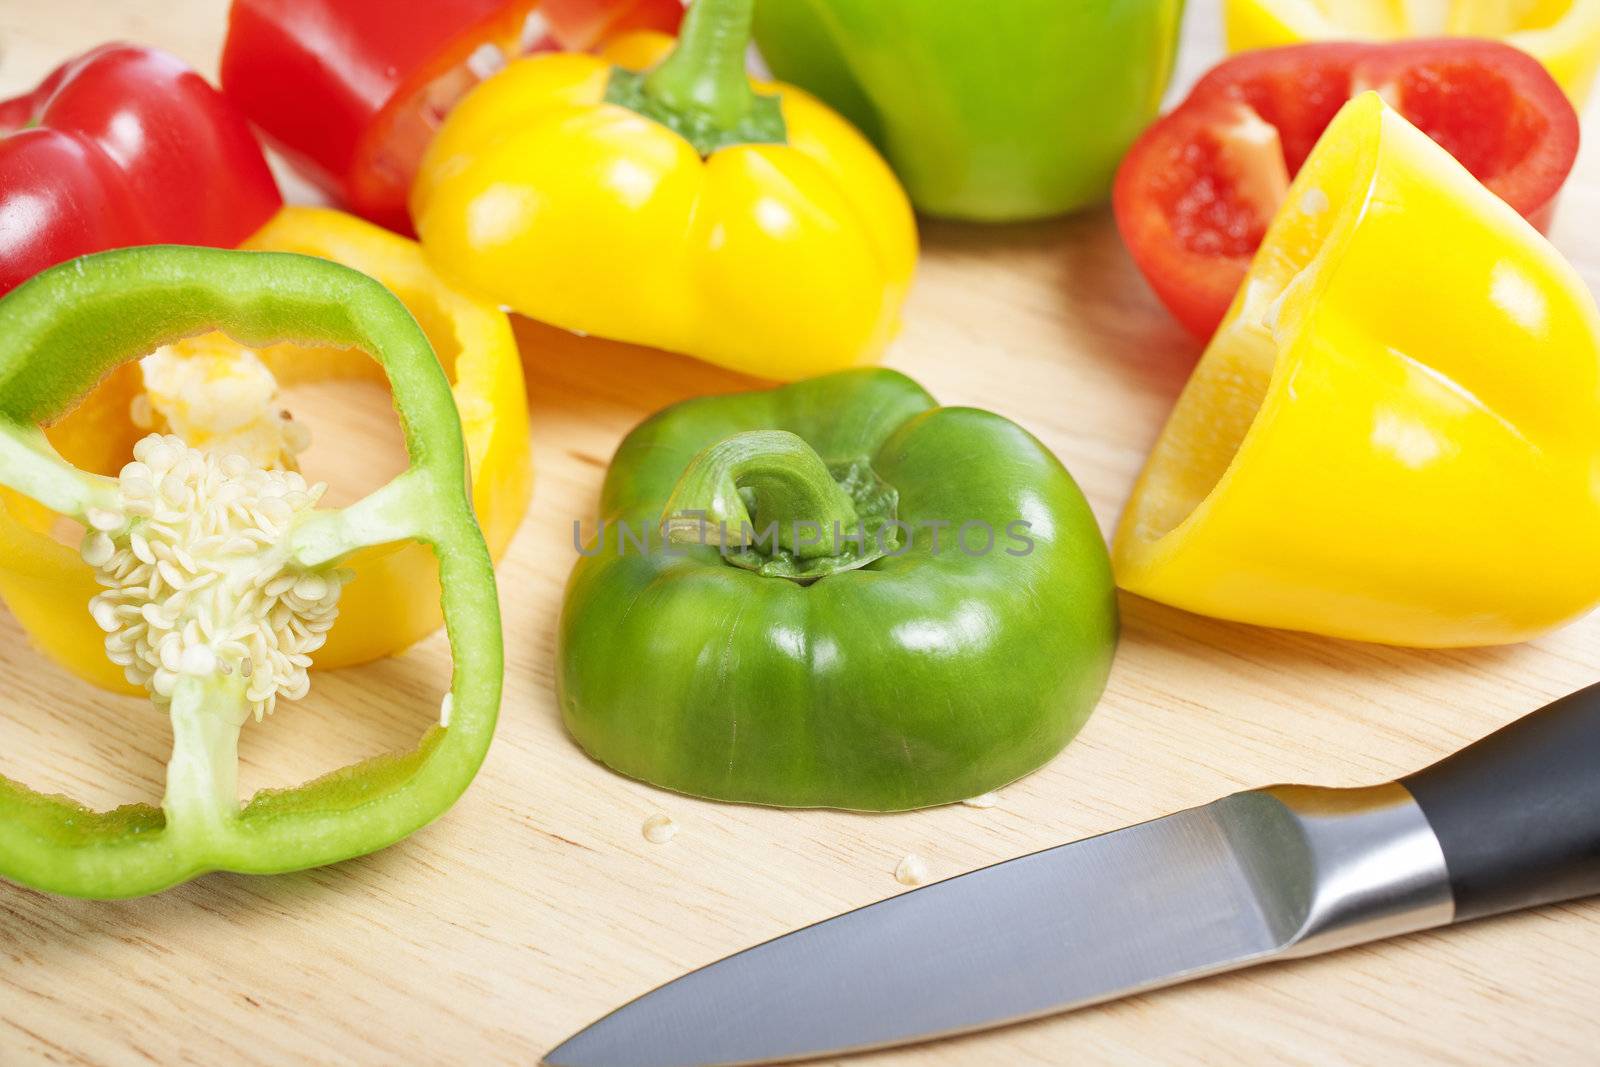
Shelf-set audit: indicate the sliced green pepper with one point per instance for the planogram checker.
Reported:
(1008, 110)
(863, 600)
(218, 578)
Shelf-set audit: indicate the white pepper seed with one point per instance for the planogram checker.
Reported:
(659, 828)
(164, 609)
(912, 870)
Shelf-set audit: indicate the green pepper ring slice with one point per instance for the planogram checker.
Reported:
(64, 330)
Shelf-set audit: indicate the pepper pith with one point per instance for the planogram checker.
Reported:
(397, 602)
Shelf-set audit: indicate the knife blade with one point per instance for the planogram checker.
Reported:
(1512, 821)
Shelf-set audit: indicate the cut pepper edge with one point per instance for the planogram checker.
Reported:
(1144, 542)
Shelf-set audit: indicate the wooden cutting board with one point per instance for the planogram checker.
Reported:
(536, 904)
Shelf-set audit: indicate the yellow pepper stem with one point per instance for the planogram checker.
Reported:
(701, 91)
(705, 72)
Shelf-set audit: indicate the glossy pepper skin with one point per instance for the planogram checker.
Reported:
(1564, 35)
(121, 146)
(992, 112)
(350, 91)
(395, 600)
(1383, 442)
(1195, 194)
(62, 332)
(922, 676)
(777, 243)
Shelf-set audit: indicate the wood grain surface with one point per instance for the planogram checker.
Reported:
(536, 904)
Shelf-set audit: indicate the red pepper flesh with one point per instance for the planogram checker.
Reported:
(123, 146)
(580, 25)
(351, 93)
(1195, 193)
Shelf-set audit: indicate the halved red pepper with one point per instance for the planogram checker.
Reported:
(1194, 195)
(124, 145)
(351, 91)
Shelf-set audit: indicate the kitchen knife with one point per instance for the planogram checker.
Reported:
(1510, 822)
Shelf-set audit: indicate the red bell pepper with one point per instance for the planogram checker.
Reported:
(1195, 193)
(124, 146)
(351, 91)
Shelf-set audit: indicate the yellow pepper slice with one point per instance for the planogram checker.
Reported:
(1392, 437)
(394, 599)
(1562, 34)
(781, 260)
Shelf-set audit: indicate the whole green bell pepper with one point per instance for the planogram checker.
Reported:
(1013, 109)
(219, 578)
(835, 594)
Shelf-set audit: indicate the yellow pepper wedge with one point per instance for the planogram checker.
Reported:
(695, 217)
(1562, 34)
(394, 599)
(1393, 435)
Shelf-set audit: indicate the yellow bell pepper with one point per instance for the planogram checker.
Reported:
(1393, 435)
(1562, 34)
(677, 208)
(195, 387)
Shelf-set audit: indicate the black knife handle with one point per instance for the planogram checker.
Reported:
(1517, 814)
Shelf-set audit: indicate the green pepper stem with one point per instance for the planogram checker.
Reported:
(793, 495)
(706, 71)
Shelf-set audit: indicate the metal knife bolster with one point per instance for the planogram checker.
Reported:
(1339, 867)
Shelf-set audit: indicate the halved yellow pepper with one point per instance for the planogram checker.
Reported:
(394, 599)
(1562, 34)
(1393, 436)
(784, 253)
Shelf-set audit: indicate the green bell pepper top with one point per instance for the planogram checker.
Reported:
(948, 636)
(988, 111)
(64, 330)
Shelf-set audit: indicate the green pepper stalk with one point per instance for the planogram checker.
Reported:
(769, 489)
(220, 578)
(701, 91)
